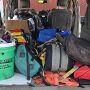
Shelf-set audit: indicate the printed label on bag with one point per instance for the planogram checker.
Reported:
(6, 63)
(5, 66)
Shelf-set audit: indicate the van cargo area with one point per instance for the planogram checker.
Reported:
(45, 45)
(19, 82)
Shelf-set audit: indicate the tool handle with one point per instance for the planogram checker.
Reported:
(69, 72)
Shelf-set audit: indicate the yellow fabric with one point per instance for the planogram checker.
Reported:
(20, 39)
(16, 33)
(42, 57)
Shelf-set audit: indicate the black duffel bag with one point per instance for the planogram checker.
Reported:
(57, 59)
(76, 48)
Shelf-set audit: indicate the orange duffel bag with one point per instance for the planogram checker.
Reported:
(53, 78)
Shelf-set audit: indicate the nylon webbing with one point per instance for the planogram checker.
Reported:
(64, 60)
(55, 57)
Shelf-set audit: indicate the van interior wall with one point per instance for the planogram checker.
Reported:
(47, 6)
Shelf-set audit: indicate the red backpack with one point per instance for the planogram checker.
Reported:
(82, 73)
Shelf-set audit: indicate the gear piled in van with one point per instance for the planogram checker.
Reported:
(56, 62)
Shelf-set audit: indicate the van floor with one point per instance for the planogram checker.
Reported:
(42, 88)
(17, 79)
(19, 82)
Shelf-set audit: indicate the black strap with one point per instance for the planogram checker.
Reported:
(29, 50)
(80, 85)
(27, 61)
(28, 65)
(60, 56)
(43, 79)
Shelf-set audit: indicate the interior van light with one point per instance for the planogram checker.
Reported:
(42, 1)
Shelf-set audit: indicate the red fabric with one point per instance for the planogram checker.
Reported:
(82, 73)
(16, 30)
(54, 79)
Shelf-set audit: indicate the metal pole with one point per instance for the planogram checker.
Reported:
(7, 10)
(76, 30)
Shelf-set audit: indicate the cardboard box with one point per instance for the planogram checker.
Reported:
(17, 24)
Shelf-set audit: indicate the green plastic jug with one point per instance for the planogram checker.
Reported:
(7, 60)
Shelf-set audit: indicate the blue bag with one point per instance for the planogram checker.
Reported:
(46, 35)
(65, 33)
(26, 62)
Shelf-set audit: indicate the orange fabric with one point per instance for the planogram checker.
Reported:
(38, 80)
(54, 79)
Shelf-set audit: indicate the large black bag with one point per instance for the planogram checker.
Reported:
(56, 58)
(83, 82)
(60, 19)
(85, 32)
(43, 16)
(78, 49)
